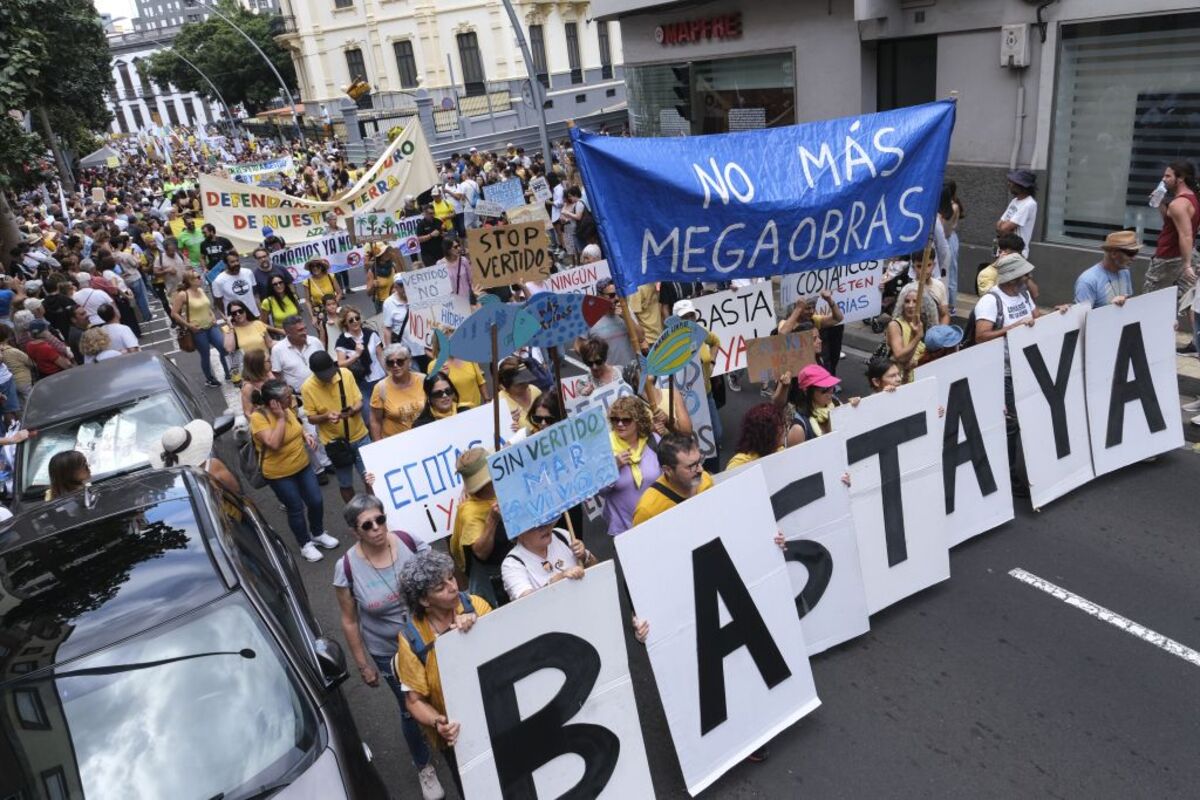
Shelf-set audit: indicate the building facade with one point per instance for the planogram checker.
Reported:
(139, 102)
(1095, 96)
(462, 53)
(165, 14)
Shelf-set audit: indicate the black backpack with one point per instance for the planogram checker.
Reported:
(969, 333)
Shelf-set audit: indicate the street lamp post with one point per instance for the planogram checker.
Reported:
(200, 72)
(539, 91)
(283, 86)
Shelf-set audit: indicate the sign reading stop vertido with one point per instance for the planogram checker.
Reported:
(508, 254)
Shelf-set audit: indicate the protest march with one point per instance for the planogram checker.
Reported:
(572, 440)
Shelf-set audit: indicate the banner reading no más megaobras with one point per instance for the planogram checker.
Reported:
(240, 211)
(767, 202)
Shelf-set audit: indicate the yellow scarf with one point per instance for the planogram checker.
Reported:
(433, 412)
(619, 446)
(819, 417)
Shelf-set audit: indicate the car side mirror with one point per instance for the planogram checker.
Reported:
(332, 660)
(223, 424)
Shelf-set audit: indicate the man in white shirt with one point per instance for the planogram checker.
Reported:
(398, 325)
(120, 336)
(1021, 213)
(289, 362)
(90, 299)
(235, 283)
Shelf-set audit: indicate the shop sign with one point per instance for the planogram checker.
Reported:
(703, 29)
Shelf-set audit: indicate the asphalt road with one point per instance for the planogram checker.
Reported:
(982, 686)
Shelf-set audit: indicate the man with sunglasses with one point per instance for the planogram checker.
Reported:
(1110, 280)
(611, 328)
(264, 272)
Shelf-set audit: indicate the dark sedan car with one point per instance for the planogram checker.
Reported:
(155, 643)
(114, 411)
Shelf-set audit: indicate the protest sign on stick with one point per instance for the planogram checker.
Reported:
(894, 455)
(489, 208)
(543, 697)
(1047, 378)
(812, 508)
(1132, 388)
(508, 254)
(508, 194)
(857, 289)
(533, 212)
(975, 476)
(578, 280)
(541, 189)
(771, 356)
(688, 384)
(542, 476)
(725, 643)
(736, 316)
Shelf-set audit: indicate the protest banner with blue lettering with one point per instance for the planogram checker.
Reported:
(507, 193)
(414, 470)
(337, 249)
(767, 202)
(857, 289)
(542, 476)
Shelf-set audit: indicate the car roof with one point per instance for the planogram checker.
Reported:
(75, 393)
(105, 565)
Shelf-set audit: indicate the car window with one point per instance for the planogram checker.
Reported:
(114, 440)
(288, 561)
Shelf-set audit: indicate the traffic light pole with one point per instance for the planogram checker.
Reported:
(539, 91)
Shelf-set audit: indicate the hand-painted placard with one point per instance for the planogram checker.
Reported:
(563, 318)
(381, 225)
(532, 212)
(489, 208)
(508, 254)
(577, 397)
(857, 289)
(577, 280)
(771, 356)
(736, 316)
(337, 249)
(542, 476)
(689, 387)
(673, 349)
(541, 189)
(508, 194)
(428, 286)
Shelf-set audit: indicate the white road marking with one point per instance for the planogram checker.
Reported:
(1111, 617)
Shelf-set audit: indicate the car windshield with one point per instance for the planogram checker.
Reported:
(199, 708)
(114, 440)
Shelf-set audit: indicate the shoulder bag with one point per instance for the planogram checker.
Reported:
(250, 459)
(187, 342)
(340, 451)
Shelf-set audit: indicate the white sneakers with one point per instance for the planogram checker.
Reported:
(431, 787)
(326, 541)
(310, 552)
(1193, 406)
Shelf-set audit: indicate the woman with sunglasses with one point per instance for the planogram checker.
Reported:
(243, 335)
(318, 284)
(280, 304)
(811, 395)
(441, 400)
(360, 350)
(541, 556)
(544, 412)
(468, 380)
(634, 442)
(594, 352)
(191, 309)
(516, 386)
(366, 581)
(398, 399)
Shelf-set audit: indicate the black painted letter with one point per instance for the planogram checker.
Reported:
(714, 579)
(1055, 391)
(960, 415)
(523, 745)
(813, 555)
(1131, 350)
(885, 443)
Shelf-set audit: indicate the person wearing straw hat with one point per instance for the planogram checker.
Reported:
(479, 542)
(191, 446)
(1109, 281)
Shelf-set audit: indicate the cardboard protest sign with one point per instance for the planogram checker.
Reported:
(576, 400)
(240, 211)
(336, 248)
(857, 289)
(541, 189)
(447, 315)
(533, 212)
(894, 455)
(508, 194)
(414, 470)
(771, 356)
(975, 475)
(544, 699)
(98, 194)
(812, 509)
(736, 316)
(508, 254)
(489, 208)
(767, 202)
(1047, 378)
(725, 642)
(689, 386)
(540, 477)
(1132, 388)
(579, 280)
(379, 225)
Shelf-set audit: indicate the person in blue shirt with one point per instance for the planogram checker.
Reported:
(1109, 281)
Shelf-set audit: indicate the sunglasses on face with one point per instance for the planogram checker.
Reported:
(377, 521)
(440, 393)
(543, 419)
(352, 319)
(596, 363)
(237, 312)
(396, 362)
(621, 420)
(277, 283)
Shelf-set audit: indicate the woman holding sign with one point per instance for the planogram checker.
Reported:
(479, 542)
(635, 444)
(906, 337)
(542, 556)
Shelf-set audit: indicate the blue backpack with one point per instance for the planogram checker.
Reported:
(416, 643)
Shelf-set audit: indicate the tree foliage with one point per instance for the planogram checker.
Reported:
(226, 58)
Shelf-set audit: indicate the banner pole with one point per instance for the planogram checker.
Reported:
(570, 526)
(671, 402)
(556, 357)
(495, 387)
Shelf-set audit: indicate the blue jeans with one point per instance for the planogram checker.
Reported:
(952, 271)
(418, 745)
(365, 388)
(345, 475)
(210, 337)
(297, 493)
(139, 295)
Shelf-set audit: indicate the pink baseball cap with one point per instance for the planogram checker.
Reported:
(818, 376)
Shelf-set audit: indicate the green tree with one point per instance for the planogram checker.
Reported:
(229, 61)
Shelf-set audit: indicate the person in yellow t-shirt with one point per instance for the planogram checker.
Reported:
(517, 388)
(479, 542)
(646, 309)
(468, 380)
(318, 284)
(398, 398)
(762, 434)
(443, 210)
(383, 264)
(683, 476)
(437, 607)
(281, 441)
(333, 401)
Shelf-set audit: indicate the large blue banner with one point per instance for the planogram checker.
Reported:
(766, 202)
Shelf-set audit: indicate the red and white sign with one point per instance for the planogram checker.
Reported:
(702, 29)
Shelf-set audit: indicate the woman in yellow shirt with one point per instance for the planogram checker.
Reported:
(243, 335)
(468, 381)
(762, 434)
(192, 310)
(318, 284)
(280, 304)
(906, 338)
(517, 388)
(398, 399)
(281, 442)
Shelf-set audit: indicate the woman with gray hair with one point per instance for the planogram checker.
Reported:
(437, 607)
(398, 399)
(20, 326)
(367, 584)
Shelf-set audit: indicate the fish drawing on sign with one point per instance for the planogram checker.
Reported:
(563, 317)
(674, 348)
(472, 341)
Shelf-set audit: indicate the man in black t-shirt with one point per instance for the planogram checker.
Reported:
(58, 306)
(429, 233)
(213, 248)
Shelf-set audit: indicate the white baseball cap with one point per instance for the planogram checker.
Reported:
(684, 307)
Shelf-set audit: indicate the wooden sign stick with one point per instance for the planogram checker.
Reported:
(495, 386)
(556, 357)
(671, 402)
